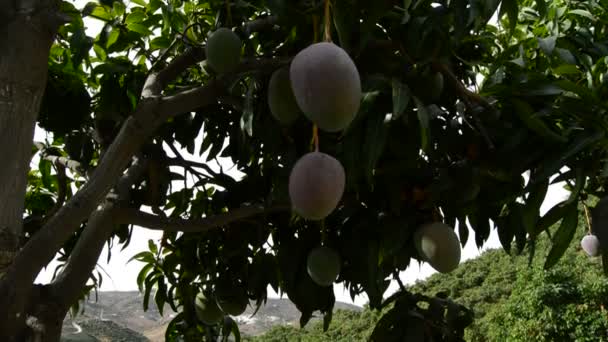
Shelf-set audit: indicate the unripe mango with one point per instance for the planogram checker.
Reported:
(438, 244)
(323, 265)
(207, 310)
(223, 50)
(326, 84)
(282, 102)
(316, 185)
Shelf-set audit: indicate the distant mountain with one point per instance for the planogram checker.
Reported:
(119, 316)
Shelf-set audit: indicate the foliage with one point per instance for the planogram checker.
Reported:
(511, 300)
(423, 147)
(347, 325)
(515, 300)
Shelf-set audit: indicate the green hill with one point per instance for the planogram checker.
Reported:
(512, 299)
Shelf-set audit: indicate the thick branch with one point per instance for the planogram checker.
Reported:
(172, 224)
(74, 276)
(259, 24)
(156, 82)
(73, 165)
(150, 114)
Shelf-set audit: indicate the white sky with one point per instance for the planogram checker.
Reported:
(121, 276)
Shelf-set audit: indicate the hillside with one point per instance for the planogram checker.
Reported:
(119, 316)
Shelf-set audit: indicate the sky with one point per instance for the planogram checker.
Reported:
(120, 275)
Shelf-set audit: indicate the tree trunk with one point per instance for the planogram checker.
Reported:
(26, 38)
(27, 29)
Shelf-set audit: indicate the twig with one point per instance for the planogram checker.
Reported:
(176, 224)
(468, 97)
(186, 165)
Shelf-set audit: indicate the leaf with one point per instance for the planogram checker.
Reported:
(139, 28)
(551, 217)
(531, 211)
(160, 43)
(424, 121)
(547, 44)
(582, 13)
(247, 117)
(144, 257)
(563, 236)
(344, 17)
(566, 69)
(565, 55)
(327, 320)
(525, 113)
(401, 97)
(113, 37)
(551, 166)
(101, 13)
(135, 18)
(376, 132)
(142, 276)
(152, 246)
(505, 233)
(510, 8)
(139, 2)
(160, 296)
(463, 230)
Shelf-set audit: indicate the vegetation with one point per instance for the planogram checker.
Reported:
(347, 326)
(512, 300)
(137, 114)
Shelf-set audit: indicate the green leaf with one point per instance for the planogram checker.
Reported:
(563, 236)
(565, 55)
(248, 113)
(531, 211)
(135, 18)
(566, 69)
(401, 97)
(142, 276)
(139, 2)
(344, 20)
(582, 13)
(139, 28)
(160, 43)
(511, 9)
(113, 37)
(547, 44)
(551, 166)
(145, 256)
(118, 8)
(101, 13)
(376, 132)
(556, 213)
(152, 247)
(425, 124)
(525, 112)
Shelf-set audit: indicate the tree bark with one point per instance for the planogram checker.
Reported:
(27, 35)
(27, 30)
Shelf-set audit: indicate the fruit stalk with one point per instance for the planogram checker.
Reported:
(587, 218)
(327, 28)
(315, 137)
(228, 13)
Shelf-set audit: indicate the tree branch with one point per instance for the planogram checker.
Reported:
(137, 128)
(468, 96)
(156, 82)
(73, 165)
(259, 24)
(66, 288)
(172, 224)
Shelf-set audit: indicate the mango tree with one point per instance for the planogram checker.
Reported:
(384, 96)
